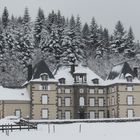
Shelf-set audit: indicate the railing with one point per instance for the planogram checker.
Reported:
(22, 124)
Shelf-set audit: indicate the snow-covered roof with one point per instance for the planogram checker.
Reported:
(119, 73)
(65, 72)
(40, 80)
(14, 94)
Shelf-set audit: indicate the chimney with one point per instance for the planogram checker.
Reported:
(29, 72)
(135, 70)
(72, 68)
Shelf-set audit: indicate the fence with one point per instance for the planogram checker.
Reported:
(22, 124)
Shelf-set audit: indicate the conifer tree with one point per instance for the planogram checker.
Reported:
(39, 25)
(119, 38)
(5, 18)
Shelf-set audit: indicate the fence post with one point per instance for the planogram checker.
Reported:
(48, 128)
(20, 127)
(11, 128)
(53, 128)
(80, 128)
(2, 128)
(28, 126)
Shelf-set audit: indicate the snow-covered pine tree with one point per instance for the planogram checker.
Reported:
(119, 38)
(93, 36)
(129, 44)
(85, 32)
(5, 18)
(39, 25)
(24, 41)
(71, 44)
(52, 46)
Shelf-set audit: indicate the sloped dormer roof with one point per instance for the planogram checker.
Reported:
(40, 68)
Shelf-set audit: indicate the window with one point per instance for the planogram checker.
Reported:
(80, 78)
(101, 114)
(100, 91)
(129, 88)
(44, 113)
(18, 113)
(62, 80)
(101, 101)
(81, 90)
(91, 91)
(92, 114)
(81, 101)
(59, 114)
(67, 90)
(130, 100)
(130, 113)
(44, 99)
(113, 89)
(129, 78)
(108, 101)
(113, 101)
(59, 90)
(44, 87)
(67, 101)
(44, 76)
(67, 114)
(113, 113)
(95, 81)
(92, 101)
(59, 102)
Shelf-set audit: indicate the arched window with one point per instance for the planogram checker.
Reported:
(81, 101)
(62, 80)
(129, 77)
(95, 81)
(44, 76)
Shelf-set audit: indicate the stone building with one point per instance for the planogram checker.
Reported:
(74, 92)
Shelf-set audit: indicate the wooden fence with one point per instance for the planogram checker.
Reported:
(22, 124)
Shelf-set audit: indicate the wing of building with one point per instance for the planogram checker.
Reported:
(74, 92)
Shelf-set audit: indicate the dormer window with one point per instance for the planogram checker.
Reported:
(62, 81)
(80, 78)
(44, 76)
(129, 77)
(95, 81)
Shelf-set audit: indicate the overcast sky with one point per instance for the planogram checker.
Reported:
(106, 12)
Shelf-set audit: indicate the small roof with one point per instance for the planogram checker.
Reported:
(64, 72)
(20, 94)
(40, 68)
(119, 71)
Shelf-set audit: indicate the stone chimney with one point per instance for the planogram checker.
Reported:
(72, 68)
(135, 70)
(29, 72)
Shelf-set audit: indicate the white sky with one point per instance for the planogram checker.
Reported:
(106, 12)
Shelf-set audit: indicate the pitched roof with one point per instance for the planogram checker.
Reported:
(20, 94)
(40, 68)
(65, 72)
(120, 71)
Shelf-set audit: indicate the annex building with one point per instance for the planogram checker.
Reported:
(74, 92)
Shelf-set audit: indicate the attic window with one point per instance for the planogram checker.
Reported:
(62, 80)
(129, 77)
(44, 76)
(95, 81)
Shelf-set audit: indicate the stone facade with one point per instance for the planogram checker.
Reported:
(83, 95)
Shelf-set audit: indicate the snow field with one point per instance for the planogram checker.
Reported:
(90, 131)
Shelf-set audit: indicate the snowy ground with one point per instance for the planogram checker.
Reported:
(90, 131)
